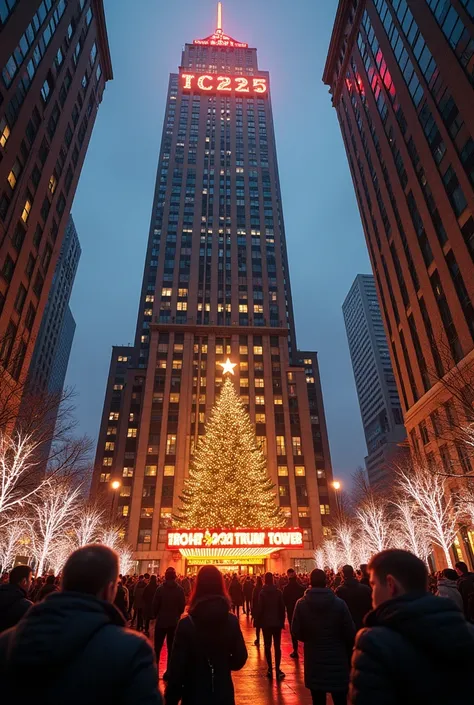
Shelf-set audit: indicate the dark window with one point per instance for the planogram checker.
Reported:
(8, 269)
(35, 176)
(46, 257)
(454, 191)
(4, 203)
(446, 317)
(20, 299)
(38, 285)
(61, 204)
(461, 291)
(6, 345)
(68, 179)
(43, 151)
(30, 265)
(45, 208)
(30, 317)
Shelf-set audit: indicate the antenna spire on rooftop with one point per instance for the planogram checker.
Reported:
(219, 16)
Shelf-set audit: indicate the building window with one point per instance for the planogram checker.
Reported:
(132, 432)
(171, 444)
(114, 416)
(26, 210)
(110, 445)
(14, 174)
(282, 471)
(104, 476)
(125, 491)
(127, 472)
(150, 470)
(324, 509)
(259, 418)
(300, 470)
(280, 443)
(168, 471)
(296, 444)
(107, 462)
(144, 536)
(262, 442)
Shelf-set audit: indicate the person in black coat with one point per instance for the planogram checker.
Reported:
(13, 597)
(248, 590)
(292, 592)
(148, 596)
(416, 648)
(236, 595)
(466, 588)
(364, 575)
(208, 646)
(121, 599)
(271, 615)
(256, 621)
(49, 587)
(168, 606)
(73, 648)
(358, 597)
(323, 623)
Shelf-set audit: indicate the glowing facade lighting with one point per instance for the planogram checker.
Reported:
(249, 85)
(336, 484)
(115, 484)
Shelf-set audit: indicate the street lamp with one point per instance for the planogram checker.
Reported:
(337, 486)
(115, 486)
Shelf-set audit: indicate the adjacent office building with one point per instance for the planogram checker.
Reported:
(400, 74)
(54, 61)
(53, 346)
(380, 408)
(215, 285)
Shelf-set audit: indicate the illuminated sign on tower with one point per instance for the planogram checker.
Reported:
(219, 39)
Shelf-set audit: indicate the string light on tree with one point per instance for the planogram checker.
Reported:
(228, 485)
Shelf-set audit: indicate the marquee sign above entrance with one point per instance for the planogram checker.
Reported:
(215, 539)
(230, 85)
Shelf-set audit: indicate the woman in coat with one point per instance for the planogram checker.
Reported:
(236, 595)
(256, 620)
(208, 646)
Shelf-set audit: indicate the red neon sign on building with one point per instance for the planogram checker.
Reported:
(213, 83)
(241, 538)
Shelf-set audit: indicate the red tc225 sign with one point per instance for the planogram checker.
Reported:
(214, 83)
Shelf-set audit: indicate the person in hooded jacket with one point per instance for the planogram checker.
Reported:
(208, 646)
(356, 595)
(292, 592)
(14, 602)
(73, 648)
(148, 596)
(416, 649)
(236, 595)
(447, 587)
(256, 621)
(138, 600)
(168, 606)
(323, 623)
(271, 615)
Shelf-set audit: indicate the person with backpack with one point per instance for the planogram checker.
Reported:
(208, 646)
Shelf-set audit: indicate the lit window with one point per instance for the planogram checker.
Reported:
(111, 431)
(244, 382)
(243, 350)
(182, 292)
(146, 512)
(52, 183)
(178, 347)
(280, 442)
(177, 364)
(321, 474)
(26, 210)
(278, 400)
(324, 509)
(4, 132)
(244, 399)
(150, 470)
(171, 444)
(283, 491)
(122, 358)
(144, 536)
(259, 399)
(166, 292)
(149, 298)
(125, 491)
(259, 382)
(110, 445)
(12, 177)
(118, 387)
(132, 432)
(127, 472)
(125, 510)
(204, 348)
(168, 471)
(104, 476)
(148, 312)
(290, 376)
(296, 443)
(257, 308)
(243, 308)
(259, 418)
(144, 339)
(162, 347)
(181, 305)
(174, 398)
(257, 350)
(262, 442)
(107, 462)
(113, 416)
(308, 361)
(303, 512)
(244, 366)
(165, 518)
(219, 349)
(283, 471)
(161, 364)
(300, 470)
(310, 380)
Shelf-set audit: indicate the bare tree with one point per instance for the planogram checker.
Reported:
(410, 525)
(87, 528)
(125, 560)
(435, 505)
(346, 537)
(10, 542)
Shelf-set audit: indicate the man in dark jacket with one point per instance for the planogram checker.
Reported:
(248, 590)
(138, 601)
(168, 606)
(271, 615)
(49, 587)
(292, 592)
(358, 597)
(13, 597)
(417, 648)
(73, 645)
(465, 587)
(323, 623)
(364, 575)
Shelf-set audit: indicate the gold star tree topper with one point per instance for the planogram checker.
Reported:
(228, 367)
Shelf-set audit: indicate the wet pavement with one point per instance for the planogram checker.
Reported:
(252, 687)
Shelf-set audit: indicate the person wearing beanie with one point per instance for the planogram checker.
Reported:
(168, 606)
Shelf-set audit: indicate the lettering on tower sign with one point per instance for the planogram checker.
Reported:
(214, 83)
(243, 538)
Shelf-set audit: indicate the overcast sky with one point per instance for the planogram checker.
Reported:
(113, 203)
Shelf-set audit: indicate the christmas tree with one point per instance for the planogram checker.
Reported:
(228, 485)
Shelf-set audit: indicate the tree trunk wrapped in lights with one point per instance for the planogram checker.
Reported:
(228, 485)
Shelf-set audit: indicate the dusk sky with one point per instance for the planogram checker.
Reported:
(112, 207)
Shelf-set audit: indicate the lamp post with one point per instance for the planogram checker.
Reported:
(115, 485)
(337, 486)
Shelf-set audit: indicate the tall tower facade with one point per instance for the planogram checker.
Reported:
(215, 286)
(53, 346)
(380, 407)
(400, 73)
(55, 61)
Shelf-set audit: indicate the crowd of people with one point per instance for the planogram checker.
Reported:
(383, 634)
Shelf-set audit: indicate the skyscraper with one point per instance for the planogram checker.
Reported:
(380, 407)
(400, 73)
(215, 286)
(55, 61)
(53, 345)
